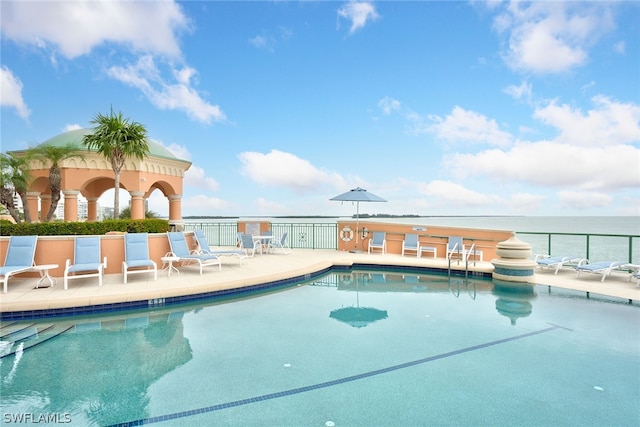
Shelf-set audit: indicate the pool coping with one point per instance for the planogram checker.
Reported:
(260, 273)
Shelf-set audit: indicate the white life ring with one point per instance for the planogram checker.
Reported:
(346, 234)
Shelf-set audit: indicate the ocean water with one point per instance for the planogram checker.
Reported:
(625, 225)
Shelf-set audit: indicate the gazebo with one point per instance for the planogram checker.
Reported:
(92, 175)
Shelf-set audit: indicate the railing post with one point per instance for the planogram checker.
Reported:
(588, 235)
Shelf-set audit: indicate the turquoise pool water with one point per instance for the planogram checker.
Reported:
(421, 350)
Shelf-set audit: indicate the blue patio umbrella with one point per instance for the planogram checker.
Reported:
(357, 195)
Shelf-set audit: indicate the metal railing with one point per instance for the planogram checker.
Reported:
(218, 233)
(300, 235)
(594, 247)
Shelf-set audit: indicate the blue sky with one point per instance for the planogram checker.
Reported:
(442, 108)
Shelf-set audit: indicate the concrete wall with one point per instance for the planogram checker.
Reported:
(485, 240)
(57, 249)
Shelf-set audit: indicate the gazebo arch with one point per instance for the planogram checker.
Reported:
(92, 175)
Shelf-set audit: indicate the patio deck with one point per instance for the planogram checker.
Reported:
(262, 268)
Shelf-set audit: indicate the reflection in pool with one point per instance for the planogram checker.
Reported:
(404, 350)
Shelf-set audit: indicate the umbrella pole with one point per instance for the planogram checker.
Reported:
(357, 222)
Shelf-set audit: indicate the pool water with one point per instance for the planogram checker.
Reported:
(345, 349)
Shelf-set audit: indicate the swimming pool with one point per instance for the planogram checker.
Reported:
(431, 350)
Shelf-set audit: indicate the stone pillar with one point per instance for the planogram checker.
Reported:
(92, 208)
(137, 204)
(45, 204)
(70, 205)
(514, 263)
(32, 201)
(175, 212)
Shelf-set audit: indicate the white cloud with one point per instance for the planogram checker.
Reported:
(584, 199)
(204, 205)
(608, 123)
(388, 105)
(525, 202)
(552, 164)
(522, 92)
(266, 207)
(468, 126)
(262, 42)
(269, 42)
(281, 169)
(552, 37)
(593, 151)
(620, 47)
(11, 93)
(71, 127)
(75, 28)
(358, 13)
(197, 177)
(455, 194)
(180, 151)
(179, 95)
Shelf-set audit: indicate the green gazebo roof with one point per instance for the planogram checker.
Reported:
(75, 137)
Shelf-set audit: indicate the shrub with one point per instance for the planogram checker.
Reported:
(84, 228)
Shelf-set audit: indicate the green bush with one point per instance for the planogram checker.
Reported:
(84, 228)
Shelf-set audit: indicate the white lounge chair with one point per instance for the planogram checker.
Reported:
(455, 247)
(249, 245)
(281, 243)
(86, 256)
(604, 268)
(19, 258)
(378, 241)
(136, 256)
(180, 250)
(556, 262)
(205, 248)
(411, 244)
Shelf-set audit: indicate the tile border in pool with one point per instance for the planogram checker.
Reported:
(212, 295)
(304, 389)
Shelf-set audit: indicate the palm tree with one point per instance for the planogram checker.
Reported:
(15, 178)
(54, 154)
(117, 139)
(126, 214)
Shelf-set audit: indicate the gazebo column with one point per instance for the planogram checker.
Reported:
(175, 211)
(137, 204)
(92, 208)
(70, 205)
(32, 201)
(45, 204)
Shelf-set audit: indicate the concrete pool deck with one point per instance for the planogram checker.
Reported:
(265, 268)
